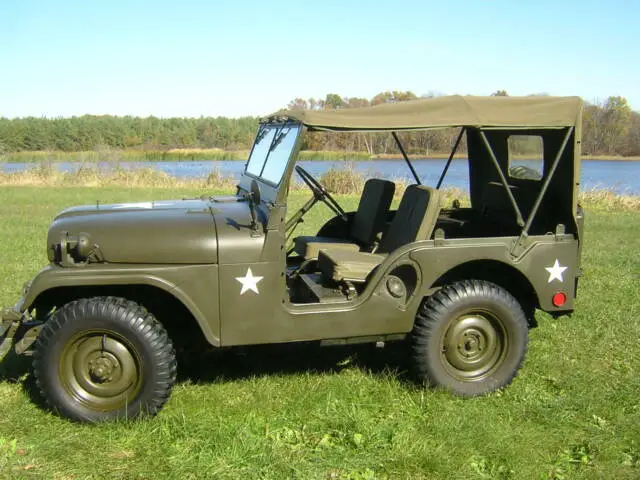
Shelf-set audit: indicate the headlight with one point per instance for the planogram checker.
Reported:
(72, 248)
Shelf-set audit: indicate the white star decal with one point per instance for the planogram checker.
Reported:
(249, 282)
(555, 272)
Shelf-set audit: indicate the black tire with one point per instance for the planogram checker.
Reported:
(104, 358)
(470, 338)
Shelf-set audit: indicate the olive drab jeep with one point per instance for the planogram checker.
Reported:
(457, 285)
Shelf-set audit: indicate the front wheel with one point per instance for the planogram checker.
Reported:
(470, 337)
(104, 358)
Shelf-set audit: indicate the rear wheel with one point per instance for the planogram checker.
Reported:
(470, 337)
(104, 358)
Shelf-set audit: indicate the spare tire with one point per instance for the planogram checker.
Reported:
(524, 173)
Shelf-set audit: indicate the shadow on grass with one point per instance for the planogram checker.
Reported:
(238, 363)
(17, 369)
(14, 368)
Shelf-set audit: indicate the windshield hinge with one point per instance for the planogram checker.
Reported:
(519, 246)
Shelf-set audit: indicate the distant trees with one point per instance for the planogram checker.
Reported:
(89, 132)
(610, 127)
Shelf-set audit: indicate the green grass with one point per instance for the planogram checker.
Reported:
(573, 412)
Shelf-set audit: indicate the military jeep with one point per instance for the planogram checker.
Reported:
(458, 286)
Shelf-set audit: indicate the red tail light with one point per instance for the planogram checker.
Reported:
(559, 299)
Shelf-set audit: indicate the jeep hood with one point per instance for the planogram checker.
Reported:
(167, 231)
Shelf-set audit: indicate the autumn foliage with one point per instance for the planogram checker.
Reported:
(610, 127)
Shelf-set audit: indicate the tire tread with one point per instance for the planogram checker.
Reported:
(134, 317)
(436, 308)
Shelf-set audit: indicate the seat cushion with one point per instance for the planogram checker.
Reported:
(339, 265)
(308, 246)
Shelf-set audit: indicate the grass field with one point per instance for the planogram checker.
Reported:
(303, 412)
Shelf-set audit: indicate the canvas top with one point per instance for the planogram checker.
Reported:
(448, 111)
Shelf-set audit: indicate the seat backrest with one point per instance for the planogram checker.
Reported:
(371, 216)
(414, 220)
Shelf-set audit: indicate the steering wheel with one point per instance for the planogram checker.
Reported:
(320, 192)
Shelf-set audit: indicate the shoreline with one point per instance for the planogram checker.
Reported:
(148, 178)
(215, 154)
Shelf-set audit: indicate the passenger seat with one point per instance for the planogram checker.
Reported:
(414, 220)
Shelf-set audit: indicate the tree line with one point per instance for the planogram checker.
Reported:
(610, 127)
(89, 132)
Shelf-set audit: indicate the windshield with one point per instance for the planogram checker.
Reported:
(271, 151)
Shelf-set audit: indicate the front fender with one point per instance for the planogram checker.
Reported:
(195, 286)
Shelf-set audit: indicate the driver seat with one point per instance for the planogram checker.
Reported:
(368, 221)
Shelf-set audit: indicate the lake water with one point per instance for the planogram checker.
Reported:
(619, 176)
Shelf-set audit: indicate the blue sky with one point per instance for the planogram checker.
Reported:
(233, 58)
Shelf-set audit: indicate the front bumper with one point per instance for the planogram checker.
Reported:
(10, 320)
(18, 330)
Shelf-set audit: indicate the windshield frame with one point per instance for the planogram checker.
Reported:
(279, 128)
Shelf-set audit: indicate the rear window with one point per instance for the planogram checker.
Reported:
(526, 157)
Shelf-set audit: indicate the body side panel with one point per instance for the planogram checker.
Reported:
(268, 317)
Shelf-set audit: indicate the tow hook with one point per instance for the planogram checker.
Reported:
(14, 326)
(9, 323)
(27, 333)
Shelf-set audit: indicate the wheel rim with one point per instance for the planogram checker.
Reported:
(101, 370)
(474, 345)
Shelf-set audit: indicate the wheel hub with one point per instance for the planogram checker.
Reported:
(473, 346)
(472, 343)
(101, 370)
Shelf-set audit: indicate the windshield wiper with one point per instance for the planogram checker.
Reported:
(277, 140)
(262, 132)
